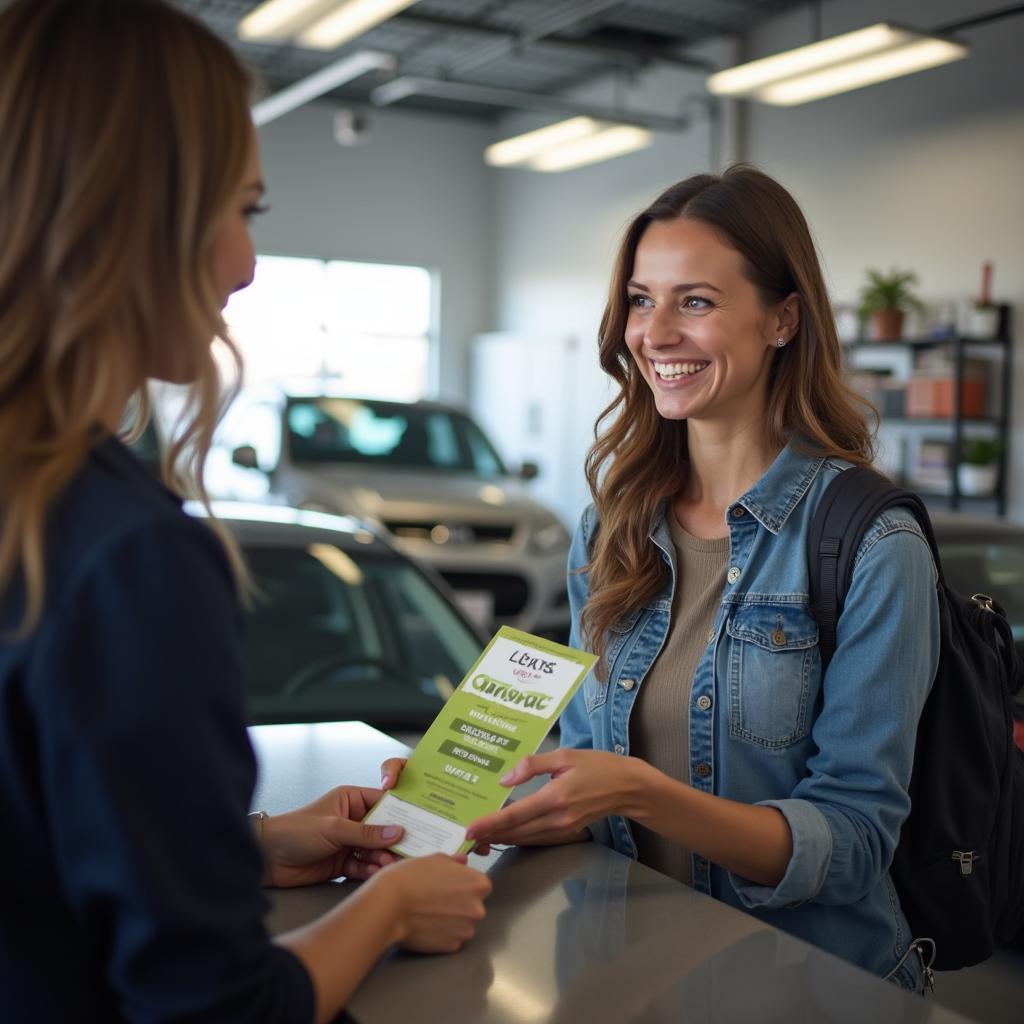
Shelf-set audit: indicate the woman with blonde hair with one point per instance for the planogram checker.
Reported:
(709, 744)
(128, 175)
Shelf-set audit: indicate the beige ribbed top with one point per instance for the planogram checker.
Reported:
(659, 725)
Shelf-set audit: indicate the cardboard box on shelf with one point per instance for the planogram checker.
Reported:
(932, 397)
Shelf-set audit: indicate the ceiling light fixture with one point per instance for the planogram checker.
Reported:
(844, 62)
(610, 142)
(521, 149)
(320, 82)
(568, 144)
(350, 19)
(276, 20)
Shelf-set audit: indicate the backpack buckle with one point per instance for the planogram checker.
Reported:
(966, 859)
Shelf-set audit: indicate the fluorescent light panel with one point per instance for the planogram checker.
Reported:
(520, 149)
(320, 82)
(351, 19)
(567, 144)
(847, 61)
(318, 24)
(277, 19)
(917, 56)
(615, 141)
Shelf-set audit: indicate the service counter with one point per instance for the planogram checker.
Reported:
(575, 934)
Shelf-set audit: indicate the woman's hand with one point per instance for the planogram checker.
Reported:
(585, 786)
(390, 772)
(429, 905)
(438, 901)
(325, 839)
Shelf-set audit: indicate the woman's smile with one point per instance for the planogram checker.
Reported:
(679, 373)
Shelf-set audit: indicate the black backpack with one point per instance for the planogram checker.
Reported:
(959, 864)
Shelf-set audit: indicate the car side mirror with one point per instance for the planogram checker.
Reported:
(245, 456)
(529, 471)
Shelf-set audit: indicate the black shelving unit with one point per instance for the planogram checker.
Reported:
(961, 347)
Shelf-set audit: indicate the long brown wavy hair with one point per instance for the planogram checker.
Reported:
(638, 458)
(124, 133)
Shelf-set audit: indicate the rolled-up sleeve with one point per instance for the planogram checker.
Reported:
(147, 773)
(845, 815)
(574, 723)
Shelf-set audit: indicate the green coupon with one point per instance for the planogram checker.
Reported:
(500, 713)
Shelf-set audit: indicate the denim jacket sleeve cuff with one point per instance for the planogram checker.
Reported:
(805, 874)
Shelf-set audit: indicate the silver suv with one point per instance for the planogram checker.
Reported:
(427, 474)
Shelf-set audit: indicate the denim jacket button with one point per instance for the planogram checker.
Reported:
(703, 769)
(778, 638)
(738, 512)
(619, 748)
(704, 702)
(627, 684)
(733, 574)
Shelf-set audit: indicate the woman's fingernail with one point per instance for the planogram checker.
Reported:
(507, 778)
(385, 781)
(390, 831)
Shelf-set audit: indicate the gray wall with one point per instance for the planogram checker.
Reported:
(925, 172)
(418, 193)
(556, 237)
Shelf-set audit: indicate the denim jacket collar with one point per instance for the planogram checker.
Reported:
(770, 501)
(779, 491)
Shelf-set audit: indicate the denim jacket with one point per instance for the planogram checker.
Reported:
(832, 752)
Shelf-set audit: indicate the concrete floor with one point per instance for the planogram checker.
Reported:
(990, 993)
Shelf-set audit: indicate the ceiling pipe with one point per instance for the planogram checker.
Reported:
(402, 88)
(554, 21)
(320, 82)
(628, 51)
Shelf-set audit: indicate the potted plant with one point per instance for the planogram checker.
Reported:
(885, 298)
(984, 317)
(978, 470)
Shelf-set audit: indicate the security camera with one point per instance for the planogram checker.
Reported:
(351, 128)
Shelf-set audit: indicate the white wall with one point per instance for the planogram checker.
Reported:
(418, 193)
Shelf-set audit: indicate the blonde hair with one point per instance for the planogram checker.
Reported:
(125, 131)
(640, 459)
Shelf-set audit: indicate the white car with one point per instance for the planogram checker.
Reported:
(426, 474)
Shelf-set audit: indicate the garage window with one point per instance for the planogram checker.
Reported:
(362, 328)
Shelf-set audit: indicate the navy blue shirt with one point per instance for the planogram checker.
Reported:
(129, 877)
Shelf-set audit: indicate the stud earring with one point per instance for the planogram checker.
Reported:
(781, 343)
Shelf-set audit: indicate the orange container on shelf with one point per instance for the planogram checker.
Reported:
(932, 397)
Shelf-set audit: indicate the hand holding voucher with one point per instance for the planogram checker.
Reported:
(585, 785)
(499, 715)
(320, 841)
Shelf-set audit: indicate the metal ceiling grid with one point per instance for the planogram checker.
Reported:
(537, 46)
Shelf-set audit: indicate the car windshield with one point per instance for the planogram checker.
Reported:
(339, 634)
(366, 432)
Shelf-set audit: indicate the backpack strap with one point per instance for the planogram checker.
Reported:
(849, 505)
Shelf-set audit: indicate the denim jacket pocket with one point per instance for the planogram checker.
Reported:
(772, 653)
(595, 691)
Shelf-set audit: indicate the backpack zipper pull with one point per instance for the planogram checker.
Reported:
(966, 859)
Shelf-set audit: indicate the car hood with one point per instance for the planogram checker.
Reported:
(387, 494)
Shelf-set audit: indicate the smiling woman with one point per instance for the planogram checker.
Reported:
(710, 744)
